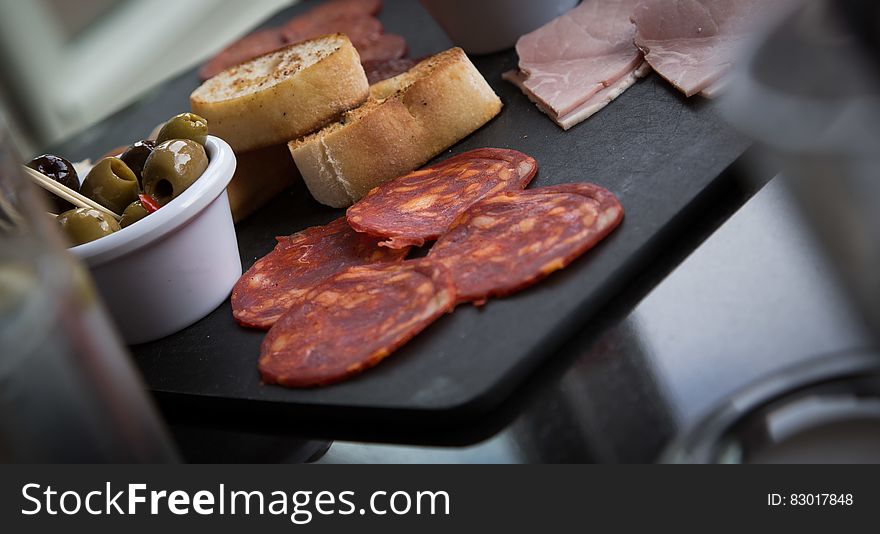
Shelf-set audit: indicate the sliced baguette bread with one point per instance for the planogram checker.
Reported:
(284, 94)
(410, 119)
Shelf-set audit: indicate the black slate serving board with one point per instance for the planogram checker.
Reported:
(653, 148)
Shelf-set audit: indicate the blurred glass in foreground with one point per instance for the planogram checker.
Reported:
(810, 93)
(68, 389)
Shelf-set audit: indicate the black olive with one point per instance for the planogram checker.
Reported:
(136, 155)
(60, 170)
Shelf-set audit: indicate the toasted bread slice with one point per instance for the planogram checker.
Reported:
(409, 119)
(284, 94)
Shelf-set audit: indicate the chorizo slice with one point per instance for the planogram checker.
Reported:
(299, 262)
(509, 241)
(353, 320)
(420, 206)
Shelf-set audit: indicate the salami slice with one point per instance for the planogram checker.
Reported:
(509, 241)
(382, 69)
(248, 47)
(353, 320)
(420, 206)
(299, 262)
(386, 46)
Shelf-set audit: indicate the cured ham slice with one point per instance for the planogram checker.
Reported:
(693, 43)
(593, 105)
(567, 63)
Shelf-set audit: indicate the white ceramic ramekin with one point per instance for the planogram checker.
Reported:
(175, 266)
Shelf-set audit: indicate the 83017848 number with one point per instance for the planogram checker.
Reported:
(820, 499)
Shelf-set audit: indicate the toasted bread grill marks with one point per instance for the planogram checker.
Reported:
(267, 70)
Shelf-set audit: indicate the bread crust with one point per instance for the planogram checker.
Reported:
(301, 101)
(411, 118)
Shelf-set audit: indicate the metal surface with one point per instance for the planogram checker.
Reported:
(822, 410)
(659, 152)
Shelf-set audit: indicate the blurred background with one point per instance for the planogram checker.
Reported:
(67, 64)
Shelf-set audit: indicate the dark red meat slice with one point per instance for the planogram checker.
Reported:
(382, 69)
(420, 206)
(509, 241)
(299, 262)
(353, 320)
(248, 47)
(322, 17)
(351, 17)
(361, 30)
(387, 46)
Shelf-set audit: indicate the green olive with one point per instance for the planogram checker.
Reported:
(82, 225)
(184, 126)
(111, 184)
(133, 213)
(172, 167)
